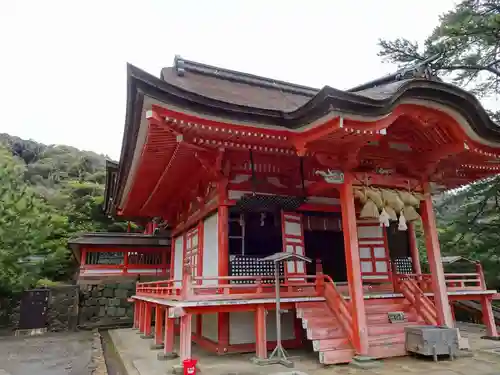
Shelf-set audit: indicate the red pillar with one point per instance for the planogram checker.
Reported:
(168, 344)
(435, 263)
(159, 315)
(349, 228)
(223, 241)
(137, 309)
(260, 333)
(142, 313)
(415, 256)
(488, 318)
(147, 321)
(185, 337)
(125, 262)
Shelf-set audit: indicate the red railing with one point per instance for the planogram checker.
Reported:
(424, 307)
(338, 305)
(228, 287)
(453, 281)
(121, 263)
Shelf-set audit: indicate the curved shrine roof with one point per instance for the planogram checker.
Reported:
(452, 121)
(245, 97)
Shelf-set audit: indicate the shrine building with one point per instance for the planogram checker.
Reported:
(227, 168)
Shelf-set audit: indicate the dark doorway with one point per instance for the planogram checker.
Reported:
(324, 241)
(34, 305)
(398, 242)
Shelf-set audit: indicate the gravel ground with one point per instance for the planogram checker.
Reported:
(50, 354)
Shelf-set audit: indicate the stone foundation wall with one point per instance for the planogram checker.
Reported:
(106, 304)
(62, 312)
(77, 306)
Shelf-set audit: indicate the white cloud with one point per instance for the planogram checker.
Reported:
(63, 62)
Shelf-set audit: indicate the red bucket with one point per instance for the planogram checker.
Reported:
(189, 366)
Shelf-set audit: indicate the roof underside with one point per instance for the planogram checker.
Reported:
(419, 127)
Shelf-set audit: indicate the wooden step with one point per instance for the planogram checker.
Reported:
(397, 338)
(317, 314)
(328, 322)
(385, 301)
(383, 308)
(324, 333)
(331, 344)
(387, 351)
(333, 357)
(311, 305)
(411, 316)
(388, 328)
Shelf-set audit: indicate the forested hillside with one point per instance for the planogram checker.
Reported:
(47, 194)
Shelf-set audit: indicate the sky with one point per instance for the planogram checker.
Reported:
(63, 63)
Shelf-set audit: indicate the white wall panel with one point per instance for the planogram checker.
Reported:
(210, 249)
(210, 326)
(179, 252)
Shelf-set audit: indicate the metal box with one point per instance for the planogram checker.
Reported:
(432, 340)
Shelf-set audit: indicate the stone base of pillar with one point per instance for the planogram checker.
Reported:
(364, 362)
(147, 336)
(166, 356)
(156, 346)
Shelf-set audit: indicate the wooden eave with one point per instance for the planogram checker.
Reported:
(324, 120)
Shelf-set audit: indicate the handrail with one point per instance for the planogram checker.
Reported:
(248, 287)
(420, 302)
(338, 305)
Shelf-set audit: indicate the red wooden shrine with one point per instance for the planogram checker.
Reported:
(239, 167)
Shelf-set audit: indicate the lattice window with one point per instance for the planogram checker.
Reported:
(252, 266)
(404, 265)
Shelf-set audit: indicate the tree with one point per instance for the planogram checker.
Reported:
(467, 43)
(29, 229)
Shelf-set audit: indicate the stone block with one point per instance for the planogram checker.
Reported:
(127, 286)
(121, 293)
(111, 311)
(102, 311)
(114, 302)
(120, 311)
(108, 292)
(103, 301)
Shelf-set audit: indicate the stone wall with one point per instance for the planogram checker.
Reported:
(62, 312)
(106, 304)
(77, 306)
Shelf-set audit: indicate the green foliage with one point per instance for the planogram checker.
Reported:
(47, 194)
(467, 41)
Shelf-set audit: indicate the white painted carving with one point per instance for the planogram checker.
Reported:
(331, 176)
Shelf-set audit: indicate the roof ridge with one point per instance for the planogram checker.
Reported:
(182, 65)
